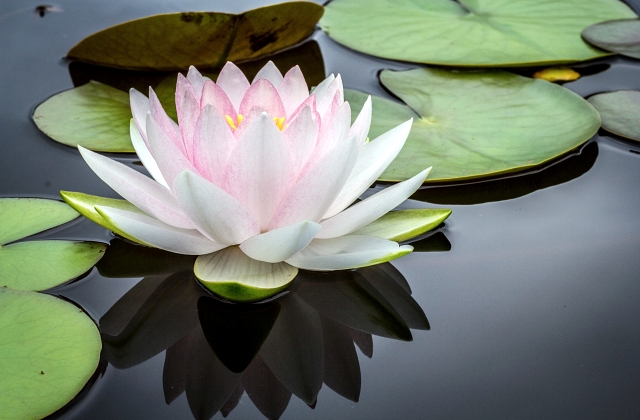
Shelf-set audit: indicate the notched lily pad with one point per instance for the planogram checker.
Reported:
(93, 115)
(471, 32)
(175, 41)
(40, 265)
(49, 349)
(470, 125)
(618, 36)
(620, 112)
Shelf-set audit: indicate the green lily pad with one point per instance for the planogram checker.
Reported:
(22, 217)
(470, 125)
(403, 225)
(40, 265)
(49, 349)
(471, 32)
(230, 273)
(619, 36)
(619, 111)
(93, 115)
(175, 41)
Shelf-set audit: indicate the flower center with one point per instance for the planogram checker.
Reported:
(235, 123)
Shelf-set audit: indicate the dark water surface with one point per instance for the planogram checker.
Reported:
(533, 299)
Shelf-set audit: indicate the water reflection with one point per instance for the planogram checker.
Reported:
(568, 168)
(291, 345)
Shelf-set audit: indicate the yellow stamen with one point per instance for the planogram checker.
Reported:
(232, 123)
(279, 122)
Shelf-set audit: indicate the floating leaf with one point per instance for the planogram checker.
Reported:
(40, 265)
(231, 274)
(175, 41)
(619, 36)
(474, 124)
(402, 225)
(22, 217)
(620, 112)
(471, 32)
(93, 115)
(49, 349)
(557, 74)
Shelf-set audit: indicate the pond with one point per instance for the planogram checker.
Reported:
(531, 288)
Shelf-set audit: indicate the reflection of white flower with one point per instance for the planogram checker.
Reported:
(266, 166)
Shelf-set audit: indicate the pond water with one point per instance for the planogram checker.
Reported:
(531, 288)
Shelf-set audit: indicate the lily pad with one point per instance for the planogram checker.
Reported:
(619, 111)
(234, 276)
(557, 74)
(174, 41)
(93, 115)
(471, 32)
(469, 125)
(49, 349)
(40, 265)
(619, 36)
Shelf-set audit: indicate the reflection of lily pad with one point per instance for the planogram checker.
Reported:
(175, 41)
(470, 32)
(39, 265)
(619, 36)
(620, 112)
(474, 124)
(49, 349)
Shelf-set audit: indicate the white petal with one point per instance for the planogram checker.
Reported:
(213, 211)
(293, 90)
(140, 190)
(279, 244)
(319, 90)
(309, 198)
(373, 159)
(347, 252)
(324, 101)
(360, 127)
(301, 135)
(144, 154)
(259, 170)
(170, 159)
(213, 142)
(196, 80)
(233, 82)
(139, 108)
(154, 232)
(374, 207)
(270, 72)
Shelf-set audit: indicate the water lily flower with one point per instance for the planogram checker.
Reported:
(258, 179)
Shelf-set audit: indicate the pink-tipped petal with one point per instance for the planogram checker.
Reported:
(279, 244)
(153, 232)
(183, 85)
(170, 159)
(259, 170)
(144, 154)
(213, 142)
(347, 252)
(373, 159)
(270, 72)
(312, 195)
(214, 212)
(309, 101)
(254, 113)
(140, 190)
(164, 121)
(263, 94)
(196, 79)
(293, 90)
(301, 135)
(139, 108)
(213, 95)
(336, 132)
(187, 119)
(325, 101)
(360, 127)
(372, 208)
(234, 83)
